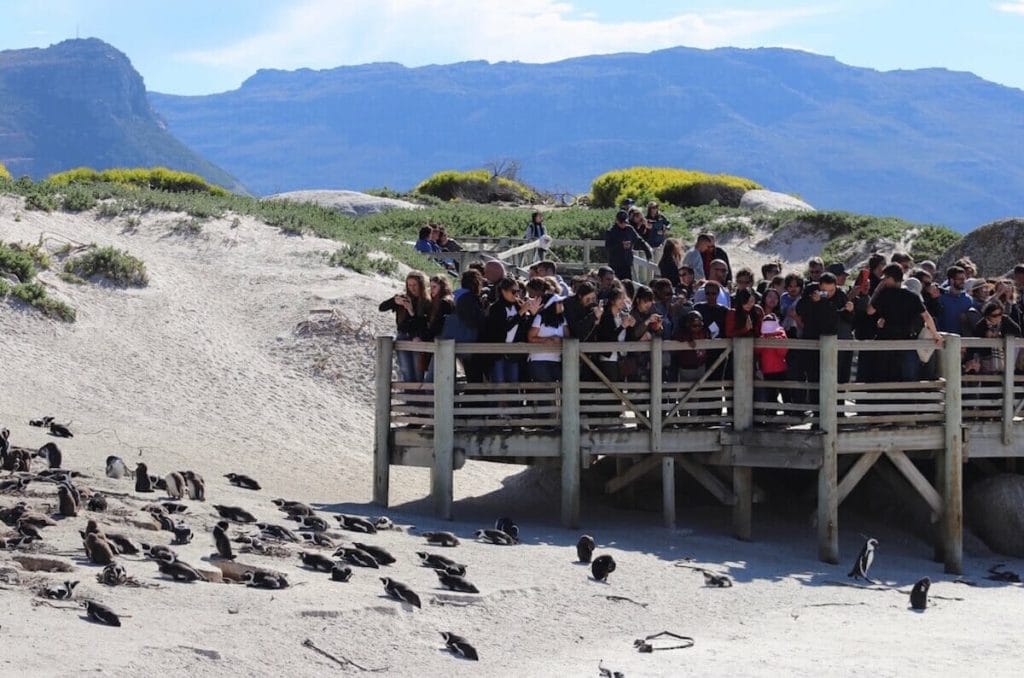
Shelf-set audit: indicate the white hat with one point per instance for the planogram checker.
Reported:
(913, 284)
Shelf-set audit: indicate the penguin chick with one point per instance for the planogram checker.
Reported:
(585, 548)
(602, 567)
(98, 549)
(220, 539)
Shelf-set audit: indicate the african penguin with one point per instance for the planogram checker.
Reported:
(459, 646)
(182, 534)
(495, 537)
(116, 467)
(357, 557)
(51, 453)
(379, 554)
(175, 483)
(318, 539)
(27, 529)
(97, 502)
(508, 527)
(260, 579)
(315, 561)
(14, 484)
(400, 592)
(864, 559)
(245, 482)
(113, 574)
(194, 485)
(315, 523)
(720, 581)
(173, 507)
(585, 548)
(142, 481)
(234, 513)
(60, 592)
(98, 549)
(437, 562)
(41, 423)
(341, 573)
(441, 538)
(220, 539)
(101, 613)
(277, 532)
(455, 582)
(179, 570)
(292, 507)
(919, 594)
(60, 430)
(356, 524)
(67, 506)
(384, 523)
(157, 551)
(121, 544)
(602, 567)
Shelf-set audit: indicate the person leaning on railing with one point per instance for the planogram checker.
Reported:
(508, 321)
(690, 364)
(995, 324)
(898, 314)
(648, 324)
(548, 328)
(670, 261)
(411, 311)
(613, 325)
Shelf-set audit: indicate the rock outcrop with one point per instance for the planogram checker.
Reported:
(996, 248)
(352, 203)
(772, 201)
(995, 511)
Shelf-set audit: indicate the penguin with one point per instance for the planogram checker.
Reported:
(234, 513)
(602, 567)
(919, 594)
(60, 430)
(864, 559)
(459, 646)
(585, 549)
(357, 557)
(113, 574)
(5, 448)
(35, 519)
(12, 514)
(194, 485)
(441, 538)
(157, 482)
(279, 532)
(455, 582)
(318, 539)
(315, 523)
(384, 523)
(220, 538)
(26, 529)
(14, 485)
(260, 579)
(116, 467)
(356, 524)
(175, 483)
(166, 524)
(158, 551)
(495, 537)
(436, 562)
(315, 561)
(400, 592)
(341, 573)
(379, 554)
(60, 592)
(245, 482)
(22, 460)
(51, 453)
(508, 527)
(173, 507)
(101, 614)
(182, 534)
(75, 494)
(97, 502)
(67, 506)
(15, 542)
(179, 570)
(720, 581)
(142, 481)
(121, 543)
(292, 508)
(40, 423)
(98, 549)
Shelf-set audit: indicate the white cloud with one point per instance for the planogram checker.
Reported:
(1015, 7)
(326, 33)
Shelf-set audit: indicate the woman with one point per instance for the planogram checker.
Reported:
(441, 306)
(465, 323)
(638, 222)
(508, 321)
(691, 364)
(548, 328)
(744, 318)
(671, 260)
(995, 324)
(535, 229)
(411, 311)
(770, 302)
(614, 323)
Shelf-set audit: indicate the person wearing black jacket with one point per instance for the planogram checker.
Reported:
(411, 311)
(994, 324)
(619, 242)
(582, 311)
(507, 321)
(467, 321)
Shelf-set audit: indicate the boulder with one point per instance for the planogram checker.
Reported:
(771, 201)
(995, 248)
(995, 511)
(352, 203)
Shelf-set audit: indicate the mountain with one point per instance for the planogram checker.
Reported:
(80, 103)
(927, 145)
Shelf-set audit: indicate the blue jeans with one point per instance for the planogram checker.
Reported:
(407, 367)
(910, 366)
(544, 370)
(505, 371)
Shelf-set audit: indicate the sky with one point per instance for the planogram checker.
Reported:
(207, 46)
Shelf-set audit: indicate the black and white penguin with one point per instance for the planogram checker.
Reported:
(400, 592)
(585, 548)
(862, 565)
(158, 551)
(318, 539)
(98, 549)
(220, 539)
(66, 504)
(459, 646)
(292, 508)
(182, 534)
(441, 538)
(455, 582)
(121, 544)
(260, 579)
(5, 448)
(341, 573)
(379, 554)
(173, 507)
(14, 485)
(15, 542)
(166, 523)
(245, 482)
(495, 537)
(234, 513)
(175, 484)
(61, 591)
(97, 502)
(116, 468)
(142, 481)
(356, 524)
(195, 486)
(384, 523)
(179, 570)
(602, 567)
(51, 453)
(315, 523)
(40, 423)
(508, 527)
(919, 594)
(113, 574)
(316, 561)
(279, 532)
(357, 557)
(101, 613)
(60, 430)
(713, 580)
(27, 529)
(438, 562)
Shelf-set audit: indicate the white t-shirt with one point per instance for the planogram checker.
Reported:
(510, 313)
(545, 332)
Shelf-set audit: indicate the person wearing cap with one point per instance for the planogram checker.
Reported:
(899, 314)
(619, 242)
(955, 302)
(658, 226)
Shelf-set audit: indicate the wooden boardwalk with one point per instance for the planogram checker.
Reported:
(714, 430)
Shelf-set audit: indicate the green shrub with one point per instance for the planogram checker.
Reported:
(42, 201)
(76, 199)
(475, 186)
(4, 174)
(35, 295)
(14, 260)
(356, 257)
(111, 263)
(684, 188)
(158, 178)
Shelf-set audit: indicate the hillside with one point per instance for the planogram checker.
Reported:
(81, 103)
(926, 145)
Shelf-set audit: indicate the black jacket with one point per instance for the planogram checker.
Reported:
(619, 244)
(581, 320)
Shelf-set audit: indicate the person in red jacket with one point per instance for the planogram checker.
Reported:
(771, 363)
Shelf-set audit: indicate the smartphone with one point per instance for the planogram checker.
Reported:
(602, 303)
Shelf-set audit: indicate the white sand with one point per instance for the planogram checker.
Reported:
(203, 369)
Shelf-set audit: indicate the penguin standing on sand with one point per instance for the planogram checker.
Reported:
(182, 534)
(51, 453)
(98, 549)
(585, 548)
(400, 592)
(919, 594)
(864, 559)
(67, 505)
(602, 567)
(175, 483)
(142, 482)
(459, 646)
(220, 538)
(195, 486)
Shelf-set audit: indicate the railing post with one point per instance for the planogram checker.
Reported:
(442, 472)
(743, 420)
(570, 433)
(952, 461)
(656, 410)
(828, 501)
(382, 422)
(1009, 365)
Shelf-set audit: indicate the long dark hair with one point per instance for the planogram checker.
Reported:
(549, 314)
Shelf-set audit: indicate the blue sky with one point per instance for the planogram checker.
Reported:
(204, 46)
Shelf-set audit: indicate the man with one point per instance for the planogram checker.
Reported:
(815, 267)
(619, 242)
(425, 244)
(822, 310)
(548, 269)
(447, 244)
(876, 262)
(899, 314)
(494, 271)
(718, 272)
(605, 282)
(839, 271)
(955, 303)
(703, 253)
(905, 261)
(582, 312)
(768, 272)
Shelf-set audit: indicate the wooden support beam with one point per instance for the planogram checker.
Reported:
(854, 475)
(442, 473)
(917, 480)
(743, 420)
(742, 513)
(619, 394)
(1009, 364)
(668, 491)
(668, 465)
(952, 460)
(571, 433)
(828, 504)
(697, 384)
(707, 479)
(382, 422)
(632, 474)
(939, 553)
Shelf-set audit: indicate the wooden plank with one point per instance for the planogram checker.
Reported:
(668, 491)
(1009, 363)
(743, 420)
(920, 438)
(707, 479)
(632, 474)
(952, 493)
(772, 457)
(917, 480)
(697, 384)
(441, 475)
(570, 443)
(828, 505)
(422, 457)
(382, 422)
(910, 386)
(654, 395)
(742, 513)
(622, 396)
(924, 396)
(854, 475)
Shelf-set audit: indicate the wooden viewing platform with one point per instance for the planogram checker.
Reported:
(715, 430)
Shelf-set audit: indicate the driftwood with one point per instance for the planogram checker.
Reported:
(623, 599)
(343, 661)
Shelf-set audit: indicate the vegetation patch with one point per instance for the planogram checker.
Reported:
(17, 260)
(4, 174)
(683, 188)
(358, 257)
(479, 186)
(157, 178)
(110, 263)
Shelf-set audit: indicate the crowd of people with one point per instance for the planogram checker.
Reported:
(699, 296)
